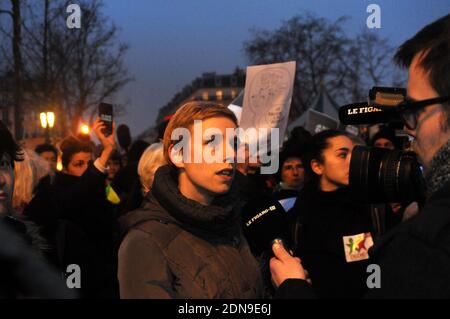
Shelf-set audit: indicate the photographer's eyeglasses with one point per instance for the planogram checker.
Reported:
(409, 110)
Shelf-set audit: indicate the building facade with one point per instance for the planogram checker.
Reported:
(208, 87)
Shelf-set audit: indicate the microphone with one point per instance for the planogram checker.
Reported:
(264, 221)
(363, 113)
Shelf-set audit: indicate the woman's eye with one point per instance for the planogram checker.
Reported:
(342, 155)
(213, 141)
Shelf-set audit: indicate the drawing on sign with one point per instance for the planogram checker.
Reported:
(268, 97)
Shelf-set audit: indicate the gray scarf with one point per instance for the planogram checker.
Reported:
(438, 173)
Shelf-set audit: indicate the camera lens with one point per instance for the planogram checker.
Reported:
(379, 175)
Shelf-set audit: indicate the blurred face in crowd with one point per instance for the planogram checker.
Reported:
(78, 164)
(334, 166)
(114, 167)
(6, 184)
(431, 132)
(51, 158)
(384, 143)
(204, 181)
(292, 172)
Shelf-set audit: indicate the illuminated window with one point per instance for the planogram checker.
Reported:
(205, 96)
(233, 93)
(219, 95)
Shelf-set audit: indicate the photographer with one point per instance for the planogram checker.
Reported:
(414, 257)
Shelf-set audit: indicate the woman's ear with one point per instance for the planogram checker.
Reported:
(176, 157)
(317, 167)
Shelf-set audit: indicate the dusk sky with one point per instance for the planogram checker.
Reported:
(173, 42)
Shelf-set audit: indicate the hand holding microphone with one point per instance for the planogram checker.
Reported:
(284, 266)
(265, 220)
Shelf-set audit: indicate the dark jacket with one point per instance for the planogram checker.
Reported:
(280, 193)
(177, 248)
(124, 182)
(24, 272)
(79, 223)
(322, 221)
(82, 200)
(414, 257)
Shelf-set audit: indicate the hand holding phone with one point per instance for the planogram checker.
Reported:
(105, 113)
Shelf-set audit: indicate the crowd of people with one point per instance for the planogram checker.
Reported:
(145, 222)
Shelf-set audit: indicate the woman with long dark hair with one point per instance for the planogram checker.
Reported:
(331, 234)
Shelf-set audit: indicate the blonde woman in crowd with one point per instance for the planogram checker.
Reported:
(150, 161)
(28, 173)
(152, 158)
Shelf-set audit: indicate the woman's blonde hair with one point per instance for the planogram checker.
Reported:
(28, 173)
(151, 160)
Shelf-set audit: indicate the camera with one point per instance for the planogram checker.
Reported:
(379, 108)
(379, 175)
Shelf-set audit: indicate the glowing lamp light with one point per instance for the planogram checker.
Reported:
(47, 119)
(50, 119)
(85, 129)
(59, 166)
(43, 117)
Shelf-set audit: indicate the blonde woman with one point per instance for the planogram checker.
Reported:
(28, 173)
(151, 160)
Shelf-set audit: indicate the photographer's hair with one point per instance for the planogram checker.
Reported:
(9, 146)
(433, 42)
(72, 145)
(316, 146)
(187, 114)
(41, 148)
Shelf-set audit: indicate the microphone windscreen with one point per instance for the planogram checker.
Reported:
(263, 221)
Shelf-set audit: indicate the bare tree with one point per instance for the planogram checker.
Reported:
(314, 43)
(325, 56)
(15, 14)
(67, 70)
(368, 62)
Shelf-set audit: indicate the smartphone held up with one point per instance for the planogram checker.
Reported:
(105, 113)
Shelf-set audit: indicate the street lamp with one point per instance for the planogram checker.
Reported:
(84, 129)
(47, 122)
